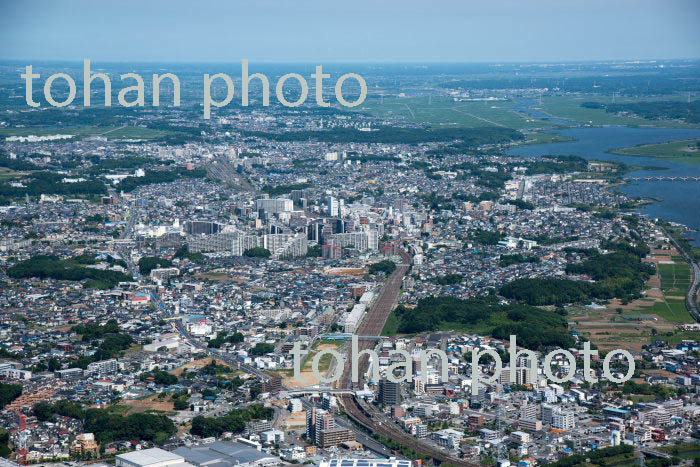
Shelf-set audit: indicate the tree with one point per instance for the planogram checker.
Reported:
(70, 269)
(234, 422)
(148, 263)
(5, 451)
(534, 327)
(262, 348)
(8, 393)
(160, 377)
(257, 252)
(386, 266)
(181, 404)
(54, 364)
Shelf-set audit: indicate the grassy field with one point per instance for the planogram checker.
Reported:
(569, 107)
(135, 132)
(675, 282)
(673, 311)
(535, 137)
(675, 278)
(445, 112)
(8, 174)
(392, 325)
(655, 315)
(680, 336)
(676, 151)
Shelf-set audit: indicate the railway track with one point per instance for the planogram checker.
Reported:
(372, 325)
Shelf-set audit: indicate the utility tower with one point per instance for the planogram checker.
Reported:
(501, 449)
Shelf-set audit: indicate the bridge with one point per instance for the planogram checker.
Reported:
(656, 454)
(347, 336)
(678, 178)
(308, 391)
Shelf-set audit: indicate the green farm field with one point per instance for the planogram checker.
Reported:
(446, 112)
(569, 107)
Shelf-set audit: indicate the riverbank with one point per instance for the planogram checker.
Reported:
(678, 199)
(684, 151)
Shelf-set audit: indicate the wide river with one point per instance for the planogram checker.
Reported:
(680, 201)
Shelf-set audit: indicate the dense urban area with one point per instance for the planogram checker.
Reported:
(158, 269)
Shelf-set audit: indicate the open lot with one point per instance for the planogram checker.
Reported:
(8, 174)
(196, 364)
(307, 376)
(149, 404)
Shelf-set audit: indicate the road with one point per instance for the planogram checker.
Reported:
(126, 235)
(365, 416)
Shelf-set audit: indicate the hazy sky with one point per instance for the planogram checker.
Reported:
(351, 30)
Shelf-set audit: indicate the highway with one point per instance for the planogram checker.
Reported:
(366, 416)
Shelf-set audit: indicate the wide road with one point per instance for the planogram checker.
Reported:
(372, 325)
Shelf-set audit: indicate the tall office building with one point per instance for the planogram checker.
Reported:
(389, 393)
(333, 206)
(547, 414)
(318, 420)
(202, 227)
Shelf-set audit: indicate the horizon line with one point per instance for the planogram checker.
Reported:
(359, 62)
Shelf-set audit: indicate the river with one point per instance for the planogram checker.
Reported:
(680, 201)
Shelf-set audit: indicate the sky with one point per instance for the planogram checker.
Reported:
(349, 31)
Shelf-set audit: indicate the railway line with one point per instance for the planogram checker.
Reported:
(367, 418)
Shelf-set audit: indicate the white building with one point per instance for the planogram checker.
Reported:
(272, 436)
(273, 206)
(295, 405)
(520, 437)
(103, 367)
(154, 457)
(333, 206)
(564, 420)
